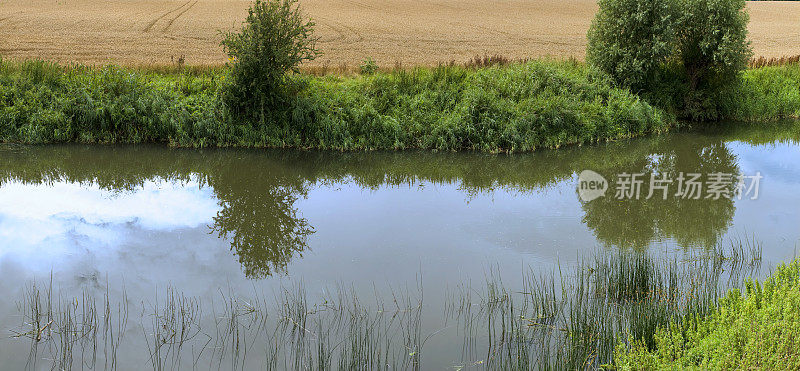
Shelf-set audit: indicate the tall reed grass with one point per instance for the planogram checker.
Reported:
(551, 320)
(774, 61)
(576, 321)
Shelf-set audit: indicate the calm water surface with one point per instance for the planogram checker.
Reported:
(140, 219)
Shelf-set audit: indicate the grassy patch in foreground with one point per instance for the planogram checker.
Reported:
(754, 329)
(520, 107)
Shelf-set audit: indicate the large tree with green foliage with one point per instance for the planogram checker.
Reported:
(631, 39)
(687, 55)
(712, 51)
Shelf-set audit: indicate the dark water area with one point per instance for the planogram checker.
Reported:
(139, 222)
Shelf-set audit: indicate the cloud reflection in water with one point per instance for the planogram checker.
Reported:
(43, 221)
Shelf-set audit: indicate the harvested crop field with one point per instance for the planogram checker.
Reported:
(411, 32)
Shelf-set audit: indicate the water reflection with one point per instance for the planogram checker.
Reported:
(690, 222)
(37, 221)
(259, 218)
(249, 198)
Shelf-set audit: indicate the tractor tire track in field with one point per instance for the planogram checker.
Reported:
(340, 33)
(162, 16)
(344, 30)
(365, 6)
(9, 15)
(171, 21)
(186, 38)
(518, 39)
(7, 18)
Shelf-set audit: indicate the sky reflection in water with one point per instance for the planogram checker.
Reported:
(43, 223)
(339, 216)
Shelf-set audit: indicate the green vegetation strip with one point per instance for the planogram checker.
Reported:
(516, 108)
(753, 329)
(650, 65)
(540, 104)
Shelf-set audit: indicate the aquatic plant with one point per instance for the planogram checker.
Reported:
(577, 321)
(553, 320)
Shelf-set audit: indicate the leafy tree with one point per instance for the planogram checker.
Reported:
(713, 50)
(273, 41)
(631, 39)
(687, 55)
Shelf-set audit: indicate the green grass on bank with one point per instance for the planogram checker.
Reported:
(754, 329)
(521, 107)
(769, 93)
(515, 108)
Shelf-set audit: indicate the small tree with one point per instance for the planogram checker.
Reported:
(713, 50)
(273, 41)
(631, 39)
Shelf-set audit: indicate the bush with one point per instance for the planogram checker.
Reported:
(713, 51)
(631, 39)
(684, 55)
(770, 93)
(273, 42)
(756, 329)
(515, 108)
(368, 67)
(42, 102)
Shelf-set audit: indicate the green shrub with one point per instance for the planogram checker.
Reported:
(273, 41)
(368, 67)
(631, 39)
(45, 103)
(516, 108)
(757, 329)
(686, 56)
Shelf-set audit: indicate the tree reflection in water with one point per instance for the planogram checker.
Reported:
(690, 222)
(259, 218)
(258, 190)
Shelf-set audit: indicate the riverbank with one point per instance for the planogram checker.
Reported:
(755, 328)
(514, 108)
